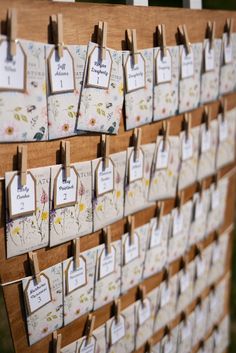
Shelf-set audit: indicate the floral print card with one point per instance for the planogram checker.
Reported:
(69, 222)
(200, 321)
(165, 166)
(185, 330)
(157, 244)
(179, 231)
(201, 202)
(144, 317)
(63, 106)
(136, 190)
(218, 258)
(139, 102)
(169, 342)
(107, 280)
(202, 267)
(228, 70)
(78, 297)
(189, 88)
(29, 232)
(208, 146)
(101, 109)
(49, 317)
(210, 79)
(185, 286)
(189, 150)
(133, 255)
(125, 343)
(166, 302)
(226, 138)
(97, 343)
(23, 115)
(165, 95)
(109, 207)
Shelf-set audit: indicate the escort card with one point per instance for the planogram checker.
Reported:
(163, 67)
(117, 329)
(135, 74)
(156, 235)
(37, 295)
(76, 278)
(162, 155)
(88, 346)
(99, 70)
(187, 147)
(165, 294)
(209, 55)
(144, 311)
(200, 266)
(168, 347)
(136, 166)
(131, 249)
(177, 222)
(65, 189)
(215, 198)
(205, 139)
(198, 208)
(12, 70)
(61, 71)
(107, 262)
(187, 64)
(228, 52)
(223, 129)
(184, 281)
(22, 199)
(104, 178)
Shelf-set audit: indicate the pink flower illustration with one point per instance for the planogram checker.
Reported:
(44, 197)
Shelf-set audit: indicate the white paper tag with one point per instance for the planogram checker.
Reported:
(223, 130)
(65, 190)
(88, 347)
(198, 208)
(187, 147)
(107, 262)
(184, 281)
(217, 338)
(200, 267)
(228, 53)
(99, 70)
(22, 200)
(38, 295)
(165, 294)
(185, 332)
(162, 155)
(216, 253)
(177, 222)
(117, 329)
(76, 278)
(199, 316)
(135, 74)
(12, 71)
(209, 57)
(61, 72)
(205, 139)
(156, 235)
(144, 311)
(215, 199)
(131, 250)
(136, 167)
(187, 64)
(168, 347)
(163, 67)
(104, 178)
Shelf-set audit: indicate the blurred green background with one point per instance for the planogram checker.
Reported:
(5, 338)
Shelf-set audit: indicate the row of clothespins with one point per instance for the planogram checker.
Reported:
(131, 36)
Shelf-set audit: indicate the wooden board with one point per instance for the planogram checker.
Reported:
(79, 22)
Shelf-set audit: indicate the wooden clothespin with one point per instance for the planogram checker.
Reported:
(117, 307)
(57, 32)
(56, 342)
(161, 38)
(22, 163)
(165, 129)
(216, 178)
(131, 38)
(142, 292)
(107, 238)
(76, 252)
(200, 187)
(183, 316)
(102, 38)
(229, 29)
(184, 260)
(12, 30)
(179, 199)
(223, 107)
(137, 136)
(183, 36)
(159, 211)
(65, 153)
(210, 33)
(105, 150)
(166, 330)
(207, 116)
(149, 345)
(34, 266)
(199, 249)
(90, 327)
(187, 124)
(131, 228)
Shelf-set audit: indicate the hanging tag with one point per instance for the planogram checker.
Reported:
(144, 311)
(187, 140)
(76, 277)
(65, 189)
(104, 177)
(209, 55)
(227, 42)
(117, 329)
(185, 331)
(215, 198)
(99, 70)
(187, 57)
(216, 253)
(136, 166)
(163, 67)
(200, 266)
(131, 248)
(163, 149)
(198, 208)
(168, 346)
(205, 138)
(184, 281)
(156, 234)
(165, 294)
(107, 262)
(223, 128)
(177, 221)
(88, 346)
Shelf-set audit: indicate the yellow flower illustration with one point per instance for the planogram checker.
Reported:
(58, 220)
(82, 207)
(100, 207)
(170, 173)
(155, 181)
(118, 194)
(121, 89)
(130, 194)
(44, 87)
(16, 231)
(44, 215)
(147, 182)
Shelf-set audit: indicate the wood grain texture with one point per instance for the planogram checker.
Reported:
(79, 22)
